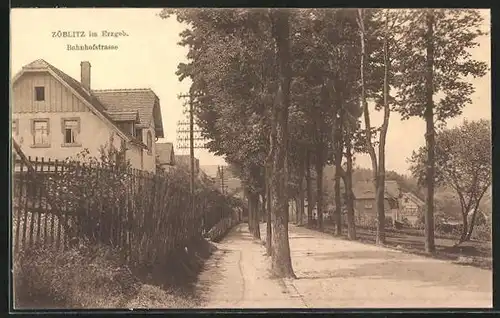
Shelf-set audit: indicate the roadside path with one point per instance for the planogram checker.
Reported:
(237, 276)
(334, 273)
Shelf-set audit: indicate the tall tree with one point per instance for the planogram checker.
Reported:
(463, 161)
(435, 59)
(281, 261)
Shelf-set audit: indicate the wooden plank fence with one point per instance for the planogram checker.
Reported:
(147, 216)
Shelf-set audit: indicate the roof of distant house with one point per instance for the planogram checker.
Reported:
(415, 199)
(366, 190)
(141, 100)
(164, 152)
(185, 160)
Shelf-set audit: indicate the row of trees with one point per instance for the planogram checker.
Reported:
(281, 93)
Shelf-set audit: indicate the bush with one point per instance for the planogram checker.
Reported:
(388, 221)
(81, 277)
(482, 232)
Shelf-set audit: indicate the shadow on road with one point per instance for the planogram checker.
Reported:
(366, 254)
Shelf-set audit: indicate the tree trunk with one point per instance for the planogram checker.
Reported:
(257, 218)
(338, 202)
(268, 212)
(368, 141)
(269, 223)
(380, 204)
(383, 135)
(281, 260)
(250, 212)
(254, 204)
(297, 202)
(319, 189)
(430, 140)
(300, 207)
(338, 167)
(309, 190)
(351, 224)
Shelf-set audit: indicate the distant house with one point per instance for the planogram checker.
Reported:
(55, 116)
(400, 206)
(185, 162)
(364, 198)
(410, 208)
(165, 157)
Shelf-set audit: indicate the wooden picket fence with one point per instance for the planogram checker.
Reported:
(147, 216)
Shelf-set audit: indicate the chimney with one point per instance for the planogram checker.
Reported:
(85, 74)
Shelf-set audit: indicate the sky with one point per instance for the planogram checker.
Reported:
(148, 58)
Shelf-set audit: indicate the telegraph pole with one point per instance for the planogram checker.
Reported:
(181, 144)
(182, 138)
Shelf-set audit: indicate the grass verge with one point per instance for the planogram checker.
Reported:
(96, 277)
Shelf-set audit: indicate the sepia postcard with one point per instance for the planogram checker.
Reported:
(257, 158)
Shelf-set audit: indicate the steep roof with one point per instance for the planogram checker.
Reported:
(165, 153)
(185, 160)
(415, 199)
(40, 65)
(142, 100)
(366, 190)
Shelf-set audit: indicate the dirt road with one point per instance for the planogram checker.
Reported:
(334, 273)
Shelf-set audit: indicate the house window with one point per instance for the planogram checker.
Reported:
(70, 130)
(15, 127)
(138, 134)
(40, 131)
(39, 93)
(150, 142)
(406, 200)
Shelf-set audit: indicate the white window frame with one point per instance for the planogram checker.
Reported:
(33, 133)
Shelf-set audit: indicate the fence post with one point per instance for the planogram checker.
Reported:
(39, 186)
(59, 168)
(25, 207)
(34, 197)
(53, 236)
(21, 186)
(45, 209)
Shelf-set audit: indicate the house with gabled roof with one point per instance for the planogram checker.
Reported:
(55, 116)
(165, 157)
(364, 199)
(400, 205)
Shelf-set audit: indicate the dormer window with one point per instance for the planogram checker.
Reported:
(39, 93)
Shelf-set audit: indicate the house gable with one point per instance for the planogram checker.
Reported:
(77, 91)
(413, 199)
(165, 153)
(58, 98)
